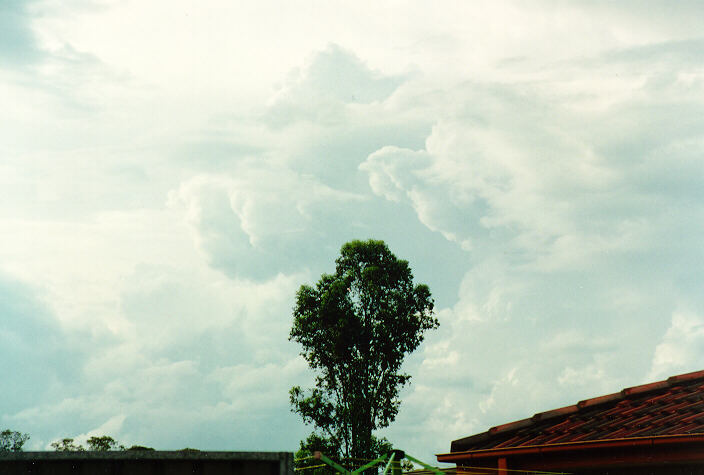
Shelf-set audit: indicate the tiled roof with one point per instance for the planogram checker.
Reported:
(671, 407)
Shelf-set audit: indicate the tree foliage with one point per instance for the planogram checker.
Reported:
(140, 448)
(12, 441)
(67, 445)
(102, 443)
(355, 327)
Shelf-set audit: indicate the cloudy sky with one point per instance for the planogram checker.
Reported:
(172, 171)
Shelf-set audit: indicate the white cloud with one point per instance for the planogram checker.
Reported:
(332, 79)
(515, 162)
(261, 221)
(111, 426)
(682, 347)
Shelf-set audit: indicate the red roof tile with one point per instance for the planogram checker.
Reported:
(671, 407)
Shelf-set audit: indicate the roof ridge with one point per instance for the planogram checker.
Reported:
(645, 388)
(595, 401)
(511, 426)
(680, 378)
(669, 382)
(566, 410)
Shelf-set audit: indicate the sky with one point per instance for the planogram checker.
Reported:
(172, 171)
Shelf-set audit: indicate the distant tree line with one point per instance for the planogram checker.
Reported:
(13, 441)
(101, 443)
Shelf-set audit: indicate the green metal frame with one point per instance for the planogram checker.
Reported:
(374, 462)
(424, 465)
(391, 459)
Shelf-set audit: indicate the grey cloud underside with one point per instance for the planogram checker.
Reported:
(24, 57)
(40, 361)
(18, 46)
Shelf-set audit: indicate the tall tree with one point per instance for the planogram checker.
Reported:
(355, 327)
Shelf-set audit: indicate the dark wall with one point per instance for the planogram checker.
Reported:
(147, 463)
(664, 470)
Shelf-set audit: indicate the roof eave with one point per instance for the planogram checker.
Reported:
(462, 456)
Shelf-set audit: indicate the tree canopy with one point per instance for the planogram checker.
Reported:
(12, 441)
(355, 327)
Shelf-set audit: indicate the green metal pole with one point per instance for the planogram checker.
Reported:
(388, 465)
(396, 464)
(370, 464)
(320, 456)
